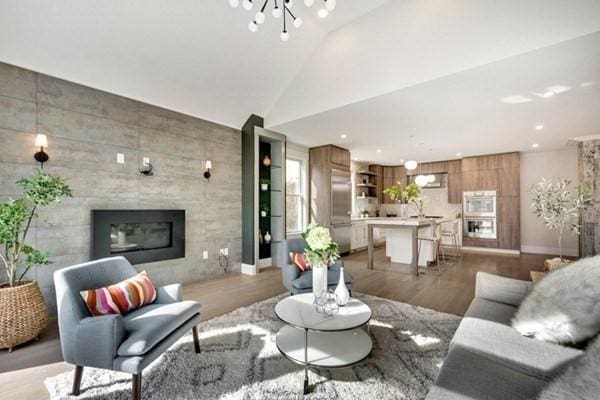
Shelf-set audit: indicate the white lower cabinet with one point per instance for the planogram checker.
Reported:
(359, 239)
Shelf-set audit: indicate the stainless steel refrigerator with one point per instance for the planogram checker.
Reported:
(341, 208)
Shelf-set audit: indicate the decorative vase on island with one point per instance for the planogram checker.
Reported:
(319, 280)
(403, 211)
(341, 291)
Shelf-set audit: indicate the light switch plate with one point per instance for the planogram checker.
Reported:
(120, 158)
(205, 254)
(225, 251)
(146, 160)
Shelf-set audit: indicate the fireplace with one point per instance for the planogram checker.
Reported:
(140, 236)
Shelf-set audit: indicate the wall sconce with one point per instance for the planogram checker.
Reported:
(208, 167)
(41, 141)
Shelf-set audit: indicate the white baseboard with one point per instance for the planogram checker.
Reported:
(265, 263)
(249, 269)
(490, 250)
(549, 250)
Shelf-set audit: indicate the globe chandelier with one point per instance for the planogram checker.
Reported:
(280, 9)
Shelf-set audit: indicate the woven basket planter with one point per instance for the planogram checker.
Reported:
(23, 314)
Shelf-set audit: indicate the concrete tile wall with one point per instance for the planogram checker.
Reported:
(86, 129)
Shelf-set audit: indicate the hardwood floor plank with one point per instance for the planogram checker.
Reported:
(23, 371)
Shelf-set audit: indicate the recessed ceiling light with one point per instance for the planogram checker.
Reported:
(343, 136)
(379, 150)
(548, 94)
(535, 145)
(322, 13)
(458, 154)
(539, 127)
(401, 161)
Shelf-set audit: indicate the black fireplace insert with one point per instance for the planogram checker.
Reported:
(140, 236)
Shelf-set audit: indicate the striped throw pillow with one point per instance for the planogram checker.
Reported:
(300, 261)
(121, 297)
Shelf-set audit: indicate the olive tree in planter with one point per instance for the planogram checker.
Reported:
(559, 208)
(23, 312)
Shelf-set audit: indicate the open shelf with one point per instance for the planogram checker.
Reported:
(368, 173)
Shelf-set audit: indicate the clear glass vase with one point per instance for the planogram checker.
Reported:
(319, 280)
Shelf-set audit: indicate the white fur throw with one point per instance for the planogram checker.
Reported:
(580, 381)
(564, 306)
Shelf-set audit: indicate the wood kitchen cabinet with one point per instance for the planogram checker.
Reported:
(322, 161)
(499, 172)
(508, 222)
(339, 157)
(454, 188)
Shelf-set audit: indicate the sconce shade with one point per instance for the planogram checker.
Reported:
(208, 164)
(41, 140)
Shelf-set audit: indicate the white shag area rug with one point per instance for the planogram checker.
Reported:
(239, 360)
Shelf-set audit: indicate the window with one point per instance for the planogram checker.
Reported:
(295, 204)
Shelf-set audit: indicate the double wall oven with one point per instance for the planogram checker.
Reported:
(479, 211)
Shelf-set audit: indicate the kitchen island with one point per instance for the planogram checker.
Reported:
(401, 239)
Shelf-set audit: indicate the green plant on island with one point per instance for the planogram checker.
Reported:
(560, 207)
(402, 194)
(39, 190)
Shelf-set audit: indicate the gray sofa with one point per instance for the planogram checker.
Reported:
(297, 282)
(120, 343)
(488, 359)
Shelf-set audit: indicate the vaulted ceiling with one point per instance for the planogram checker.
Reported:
(420, 79)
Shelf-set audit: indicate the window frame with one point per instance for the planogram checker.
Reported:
(303, 195)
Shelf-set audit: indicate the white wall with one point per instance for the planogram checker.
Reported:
(554, 165)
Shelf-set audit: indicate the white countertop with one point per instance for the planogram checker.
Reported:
(406, 222)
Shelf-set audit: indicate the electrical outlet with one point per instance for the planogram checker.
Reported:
(120, 158)
(205, 254)
(146, 161)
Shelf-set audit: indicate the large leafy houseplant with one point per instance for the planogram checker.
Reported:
(39, 190)
(559, 207)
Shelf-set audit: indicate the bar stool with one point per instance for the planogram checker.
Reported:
(451, 230)
(436, 240)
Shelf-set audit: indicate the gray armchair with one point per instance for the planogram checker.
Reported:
(297, 282)
(115, 342)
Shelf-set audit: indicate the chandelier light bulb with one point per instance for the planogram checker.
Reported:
(430, 178)
(234, 3)
(309, 3)
(259, 17)
(410, 165)
(322, 13)
(298, 22)
(247, 4)
(421, 180)
(330, 5)
(276, 12)
(252, 26)
(285, 36)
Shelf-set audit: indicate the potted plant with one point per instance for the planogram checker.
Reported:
(403, 195)
(23, 312)
(264, 184)
(321, 252)
(559, 208)
(264, 210)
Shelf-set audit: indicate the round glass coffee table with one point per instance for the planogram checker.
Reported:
(313, 340)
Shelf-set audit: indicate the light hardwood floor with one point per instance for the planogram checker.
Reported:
(22, 372)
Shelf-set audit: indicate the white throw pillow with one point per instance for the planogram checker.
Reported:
(564, 306)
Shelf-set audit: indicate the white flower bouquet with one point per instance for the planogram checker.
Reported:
(321, 250)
